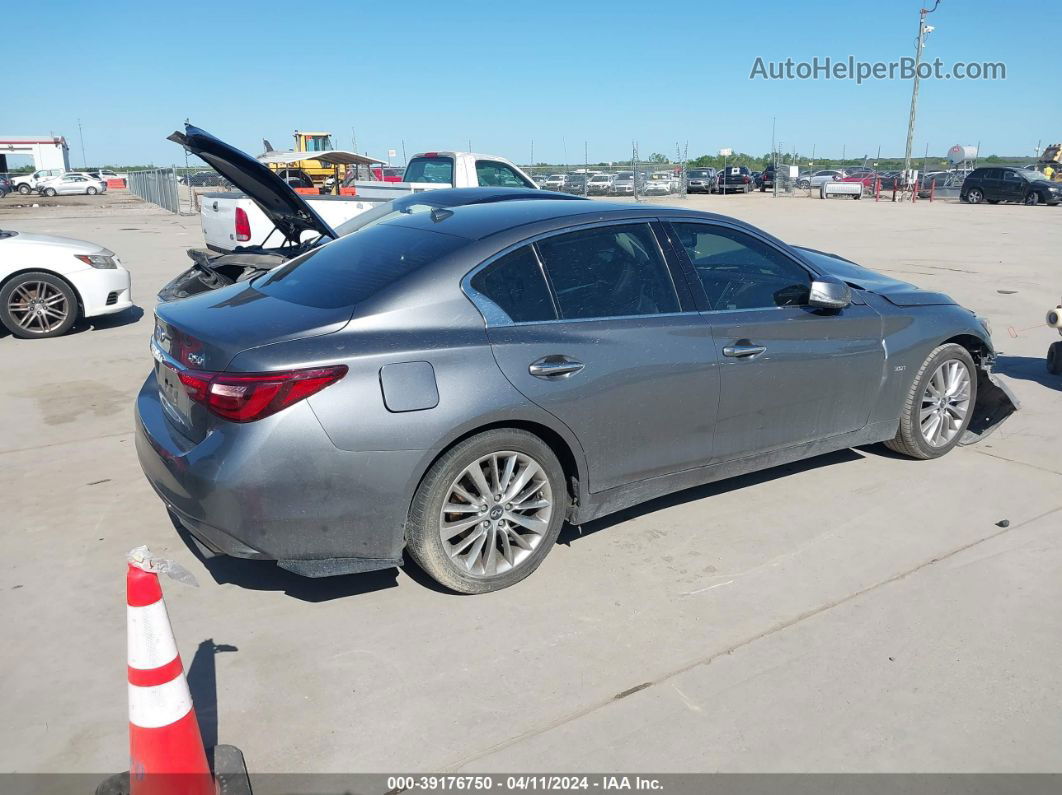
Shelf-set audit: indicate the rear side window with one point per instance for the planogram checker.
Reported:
(609, 271)
(516, 284)
(739, 271)
(495, 174)
(430, 169)
(356, 267)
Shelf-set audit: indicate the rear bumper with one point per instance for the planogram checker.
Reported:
(278, 489)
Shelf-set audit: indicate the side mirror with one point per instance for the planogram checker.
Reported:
(829, 295)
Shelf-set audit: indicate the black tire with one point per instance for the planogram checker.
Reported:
(975, 196)
(49, 192)
(1054, 358)
(909, 439)
(12, 324)
(423, 537)
(91, 191)
(804, 185)
(24, 189)
(1032, 198)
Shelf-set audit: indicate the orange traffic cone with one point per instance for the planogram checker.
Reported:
(165, 747)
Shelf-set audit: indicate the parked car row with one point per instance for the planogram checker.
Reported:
(619, 183)
(57, 182)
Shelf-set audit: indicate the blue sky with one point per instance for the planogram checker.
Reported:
(437, 75)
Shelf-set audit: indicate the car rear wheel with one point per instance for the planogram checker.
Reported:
(975, 196)
(488, 511)
(939, 404)
(91, 191)
(36, 305)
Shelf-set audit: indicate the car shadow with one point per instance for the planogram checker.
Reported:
(126, 317)
(575, 532)
(265, 575)
(1027, 368)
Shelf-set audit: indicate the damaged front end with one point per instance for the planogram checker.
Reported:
(995, 403)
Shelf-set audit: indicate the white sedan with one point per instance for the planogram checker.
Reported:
(47, 283)
(71, 182)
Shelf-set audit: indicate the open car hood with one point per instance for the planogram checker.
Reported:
(281, 205)
(892, 290)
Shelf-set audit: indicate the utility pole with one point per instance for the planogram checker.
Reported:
(923, 30)
(84, 162)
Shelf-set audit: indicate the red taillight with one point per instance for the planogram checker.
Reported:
(243, 225)
(246, 397)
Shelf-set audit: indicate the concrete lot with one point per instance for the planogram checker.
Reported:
(856, 612)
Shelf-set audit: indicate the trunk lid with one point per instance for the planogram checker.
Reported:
(205, 332)
(282, 206)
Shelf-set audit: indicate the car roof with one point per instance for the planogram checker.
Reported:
(478, 221)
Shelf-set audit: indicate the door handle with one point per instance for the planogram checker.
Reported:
(554, 367)
(743, 351)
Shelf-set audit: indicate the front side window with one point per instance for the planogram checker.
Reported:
(608, 271)
(516, 284)
(431, 169)
(494, 174)
(739, 271)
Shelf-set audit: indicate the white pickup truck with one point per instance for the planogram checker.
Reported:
(232, 219)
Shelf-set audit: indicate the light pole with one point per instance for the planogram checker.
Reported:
(923, 30)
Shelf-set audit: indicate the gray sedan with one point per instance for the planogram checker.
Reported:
(456, 383)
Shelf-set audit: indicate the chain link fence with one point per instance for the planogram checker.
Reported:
(158, 186)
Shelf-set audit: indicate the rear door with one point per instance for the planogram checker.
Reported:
(992, 184)
(789, 374)
(591, 325)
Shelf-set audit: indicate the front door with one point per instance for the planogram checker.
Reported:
(607, 348)
(789, 373)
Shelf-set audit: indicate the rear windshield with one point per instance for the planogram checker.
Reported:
(354, 268)
(430, 169)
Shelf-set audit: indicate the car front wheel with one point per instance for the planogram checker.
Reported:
(36, 305)
(939, 404)
(24, 189)
(49, 192)
(1032, 198)
(488, 511)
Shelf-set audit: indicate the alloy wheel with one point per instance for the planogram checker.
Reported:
(1032, 198)
(945, 403)
(974, 196)
(38, 307)
(496, 513)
